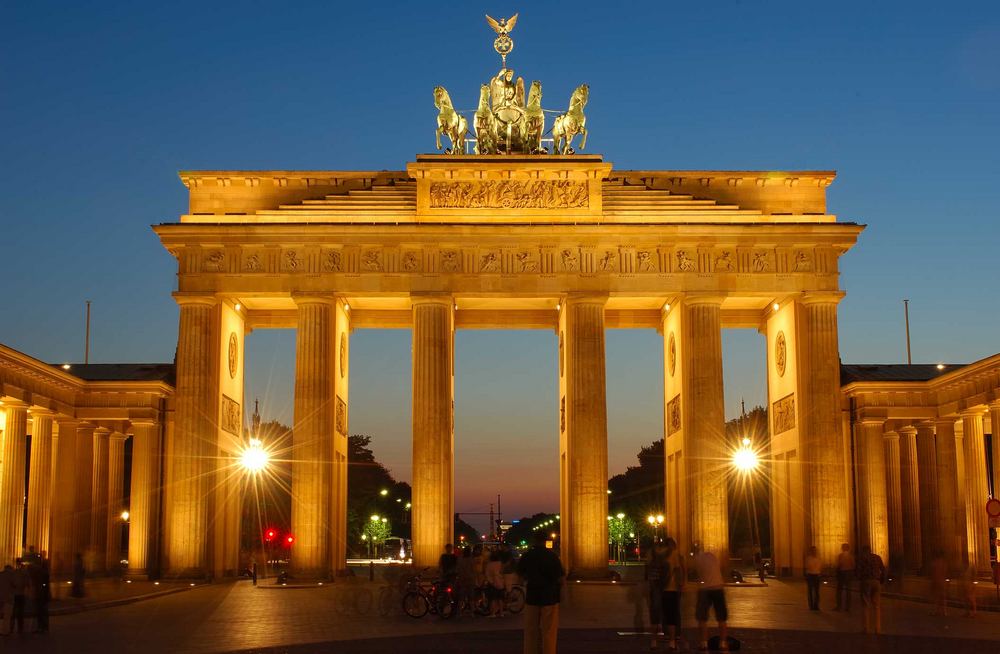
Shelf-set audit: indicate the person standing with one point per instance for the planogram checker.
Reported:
(542, 573)
(871, 573)
(466, 579)
(845, 570)
(39, 592)
(447, 564)
(494, 585)
(814, 568)
(711, 595)
(79, 575)
(509, 570)
(19, 585)
(672, 593)
(6, 590)
(657, 576)
(939, 583)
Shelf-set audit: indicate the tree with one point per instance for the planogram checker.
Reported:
(621, 532)
(376, 530)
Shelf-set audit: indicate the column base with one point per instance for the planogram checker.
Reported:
(137, 575)
(187, 574)
(593, 574)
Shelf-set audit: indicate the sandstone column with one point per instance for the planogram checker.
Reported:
(930, 526)
(40, 480)
(311, 436)
(586, 436)
(63, 506)
(195, 436)
(144, 499)
(433, 426)
(83, 505)
(951, 501)
(894, 492)
(872, 505)
(995, 433)
(99, 501)
(910, 487)
(12, 459)
(704, 420)
(976, 492)
(819, 378)
(116, 501)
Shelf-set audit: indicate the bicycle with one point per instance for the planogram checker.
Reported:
(435, 597)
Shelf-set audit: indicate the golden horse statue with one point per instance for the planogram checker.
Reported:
(449, 122)
(485, 123)
(571, 123)
(534, 120)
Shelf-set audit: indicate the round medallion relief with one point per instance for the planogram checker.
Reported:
(780, 353)
(343, 355)
(234, 354)
(671, 354)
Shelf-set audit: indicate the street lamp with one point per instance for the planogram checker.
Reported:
(655, 521)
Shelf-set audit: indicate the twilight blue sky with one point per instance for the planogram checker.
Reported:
(101, 104)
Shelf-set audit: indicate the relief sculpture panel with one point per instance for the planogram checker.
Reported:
(509, 194)
(231, 416)
(784, 414)
(674, 415)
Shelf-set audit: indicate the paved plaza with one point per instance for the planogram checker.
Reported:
(344, 617)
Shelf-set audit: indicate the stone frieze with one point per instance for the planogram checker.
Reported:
(510, 194)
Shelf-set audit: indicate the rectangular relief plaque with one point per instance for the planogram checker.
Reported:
(232, 418)
(341, 417)
(783, 411)
(509, 194)
(674, 415)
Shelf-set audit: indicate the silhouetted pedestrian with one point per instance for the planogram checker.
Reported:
(448, 564)
(542, 573)
(871, 573)
(6, 591)
(813, 569)
(845, 570)
(39, 593)
(939, 583)
(19, 583)
(711, 595)
(79, 576)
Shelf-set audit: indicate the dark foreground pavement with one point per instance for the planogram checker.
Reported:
(587, 641)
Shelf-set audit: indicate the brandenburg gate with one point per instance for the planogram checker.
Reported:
(499, 233)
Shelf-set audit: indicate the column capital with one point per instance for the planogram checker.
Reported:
(703, 298)
(994, 405)
(973, 412)
(186, 299)
(41, 412)
(585, 298)
(102, 431)
(118, 436)
(13, 403)
(924, 425)
(908, 430)
(143, 422)
(821, 297)
(433, 298)
(890, 435)
(314, 298)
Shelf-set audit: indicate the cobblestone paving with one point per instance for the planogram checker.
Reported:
(237, 617)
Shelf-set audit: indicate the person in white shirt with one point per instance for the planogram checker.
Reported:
(711, 595)
(814, 568)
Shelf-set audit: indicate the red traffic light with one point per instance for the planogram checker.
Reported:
(270, 535)
(289, 540)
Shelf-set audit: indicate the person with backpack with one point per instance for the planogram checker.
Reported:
(543, 574)
(871, 574)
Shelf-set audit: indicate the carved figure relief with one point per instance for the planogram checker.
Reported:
(291, 261)
(562, 414)
(760, 262)
(607, 262)
(489, 263)
(215, 261)
(724, 262)
(450, 261)
(509, 194)
(371, 261)
(784, 414)
(570, 261)
(803, 262)
(671, 354)
(645, 261)
(231, 416)
(252, 263)
(410, 262)
(234, 355)
(780, 353)
(341, 417)
(332, 261)
(526, 262)
(674, 415)
(343, 355)
(684, 262)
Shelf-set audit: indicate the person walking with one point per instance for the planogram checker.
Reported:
(19, 585)
(465, 579)
(494, 585)
(657, 576)
(871, 574)
(813, 568)
(543, 574)
(939, 583)
(845, 570)
(711, 595)
(672, 584)
(509, 570)
(447, 564)
(6, 591)
(39, 593)
(79, 576)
